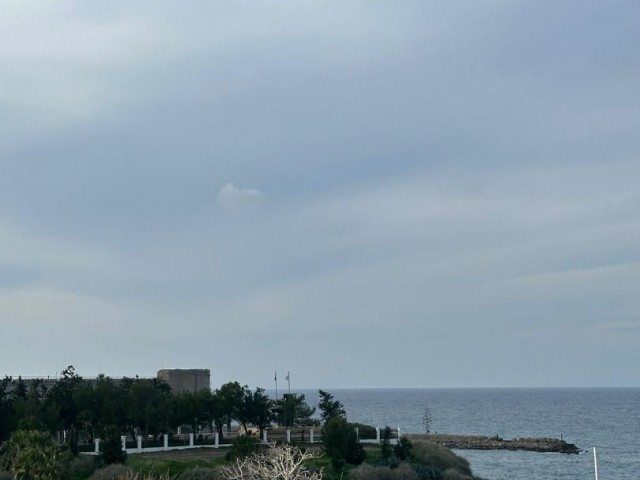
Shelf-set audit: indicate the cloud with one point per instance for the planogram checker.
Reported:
(232, 197)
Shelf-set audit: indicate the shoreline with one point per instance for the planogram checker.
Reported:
(478, 442)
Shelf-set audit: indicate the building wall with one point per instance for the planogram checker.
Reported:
(186, 380)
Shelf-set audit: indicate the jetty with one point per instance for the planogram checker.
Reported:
(478, 442)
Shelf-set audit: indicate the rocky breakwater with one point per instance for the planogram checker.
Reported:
(476, 442)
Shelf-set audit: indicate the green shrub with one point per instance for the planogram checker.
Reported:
(4, 475)
(200, 474)
(369, 472)
(115, 471)
(242, 447)
(426, 472)
(82, 466)
(111, 447)
(452, 474)
(341, 444)
(34, 455)
(441, 458)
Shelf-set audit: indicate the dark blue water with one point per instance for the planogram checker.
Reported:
(607, 418)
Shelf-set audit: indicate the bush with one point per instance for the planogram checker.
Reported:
(427, 472)
(4, 475)
(452, 474)
(111, 447)
(115, 471)
(82, 466)
(200, 474)
(369, 472)
(33, 455)
(441, 458)
(341, 443)
(242, 447)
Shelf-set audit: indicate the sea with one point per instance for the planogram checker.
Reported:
(605, 418)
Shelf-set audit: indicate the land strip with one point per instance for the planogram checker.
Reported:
(477, 442)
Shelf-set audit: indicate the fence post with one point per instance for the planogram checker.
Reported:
(288, 436)
(191, 440)
(311, 436)
(216, 438)
(97, 444)
(378, 434)
(123, 441)
(139, 443)
(165, 437)
(264, 435)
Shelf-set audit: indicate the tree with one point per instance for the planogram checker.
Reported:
(148, 406)
(284, 462)
(341, 443)
(427, 420)
(231, 396)
(60, 398)
(329, 407)
(294, 410)
(34, 455)
(111, 447)
(7, 412)
(192, 408)
(256, 409)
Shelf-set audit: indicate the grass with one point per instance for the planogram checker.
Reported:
(176, 462)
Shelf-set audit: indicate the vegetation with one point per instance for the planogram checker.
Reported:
(341, 443)
(74, 408)
(34, 455)
(282, 462)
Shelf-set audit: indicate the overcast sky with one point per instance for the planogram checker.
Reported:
(363, 193)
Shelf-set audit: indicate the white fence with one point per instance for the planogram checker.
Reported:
(313, 438)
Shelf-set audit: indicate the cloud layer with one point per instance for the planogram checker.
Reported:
(447, 192)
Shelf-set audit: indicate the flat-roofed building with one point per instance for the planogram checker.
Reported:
(186, 380)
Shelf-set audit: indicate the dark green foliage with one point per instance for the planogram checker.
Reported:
(7, 413)
(340, 443)
(385, 444)
(441, 458)
(111, 447)
(231, 396)
(72, 441)
(256, 408)
(329, 407)
(242, 447)
(200, 474)
(114, 471)
(402, 450)
(293, 410)
(427, 472)
(34, 455)
(370, 472)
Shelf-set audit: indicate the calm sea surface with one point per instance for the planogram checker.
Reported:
(608, 418)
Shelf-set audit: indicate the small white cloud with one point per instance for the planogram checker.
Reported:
(231, 196)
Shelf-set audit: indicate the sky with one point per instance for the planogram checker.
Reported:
(363, 193)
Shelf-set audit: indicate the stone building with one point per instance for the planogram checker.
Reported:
(186, 380)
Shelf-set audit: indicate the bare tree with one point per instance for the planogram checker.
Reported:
(427, 420)
(282, 462)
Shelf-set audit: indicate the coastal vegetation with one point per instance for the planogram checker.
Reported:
(44, 430)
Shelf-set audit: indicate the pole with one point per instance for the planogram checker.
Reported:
(289, 382)
(595, 461)
(275, 378)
